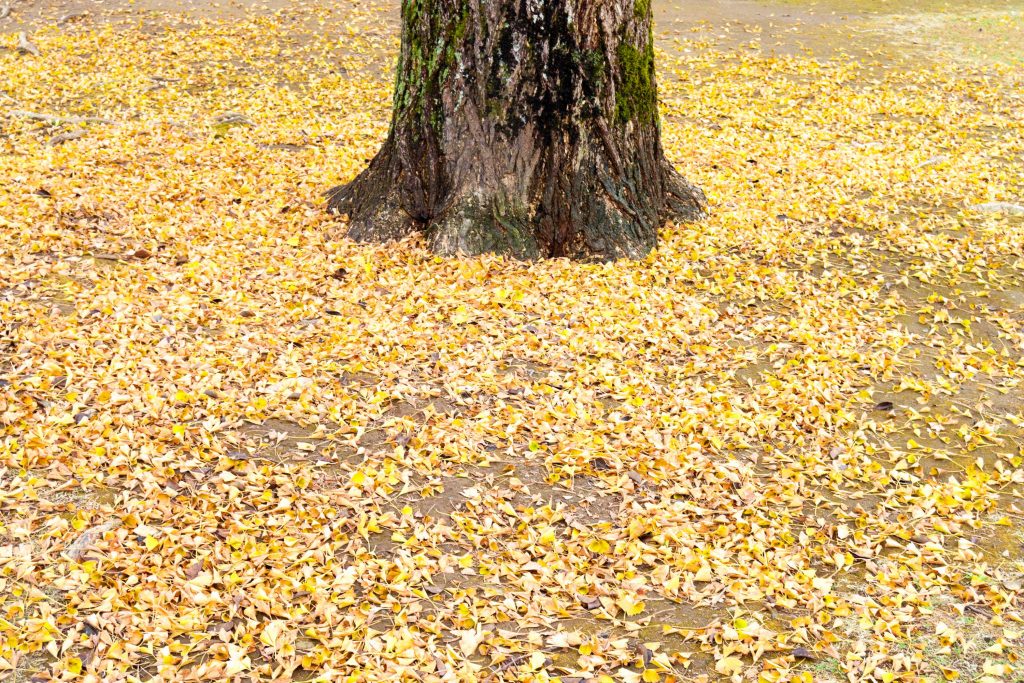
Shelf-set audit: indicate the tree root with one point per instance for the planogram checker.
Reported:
(478, 224)
(374, 210)
(684, 201)
(340, 198)
(482, 222)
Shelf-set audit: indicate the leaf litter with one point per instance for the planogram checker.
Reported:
(787, 446)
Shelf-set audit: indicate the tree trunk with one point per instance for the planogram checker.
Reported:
(525, 127)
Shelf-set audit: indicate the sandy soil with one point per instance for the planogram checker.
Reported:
(972, 30)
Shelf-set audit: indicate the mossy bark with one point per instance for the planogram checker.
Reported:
(526, 127)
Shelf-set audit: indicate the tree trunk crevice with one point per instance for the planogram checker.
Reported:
(525, 127)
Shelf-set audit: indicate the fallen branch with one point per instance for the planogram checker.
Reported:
(90, 536)
(1000, 207)
(64, 18)
(34, 116)
(68, 137)
(25, 46)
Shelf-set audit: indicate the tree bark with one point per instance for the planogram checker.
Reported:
(524, 127)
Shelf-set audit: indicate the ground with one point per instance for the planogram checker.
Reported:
(234, 446)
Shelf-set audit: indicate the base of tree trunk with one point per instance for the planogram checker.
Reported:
(480, 220)
(523, 128)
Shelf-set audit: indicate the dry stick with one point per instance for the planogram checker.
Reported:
(25, 46)
(79, 546)
(34, 116)
(64, 18)
(68, 137)
(1000, 207)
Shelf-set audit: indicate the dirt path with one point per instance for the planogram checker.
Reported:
(871, 29)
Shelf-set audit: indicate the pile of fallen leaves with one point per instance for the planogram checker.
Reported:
(234, 446)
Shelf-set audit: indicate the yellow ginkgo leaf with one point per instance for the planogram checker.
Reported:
(729, 666)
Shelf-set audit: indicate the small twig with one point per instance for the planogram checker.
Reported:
(5, 11)
(1000, 207)
(26, 47)
(233, 119)
(64, 18)
(90, 536)
(67, 137)
(34, 116)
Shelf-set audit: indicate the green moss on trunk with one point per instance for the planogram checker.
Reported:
(636, 98)
(426, 63)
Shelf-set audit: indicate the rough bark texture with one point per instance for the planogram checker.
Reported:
(526, 127)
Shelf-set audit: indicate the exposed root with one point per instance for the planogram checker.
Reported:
(339, 198)
(607, 225)
(684, 201)
(473, 225)
(373, 207)
(382, 221)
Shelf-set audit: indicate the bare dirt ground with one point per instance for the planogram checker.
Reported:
(978, 30)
